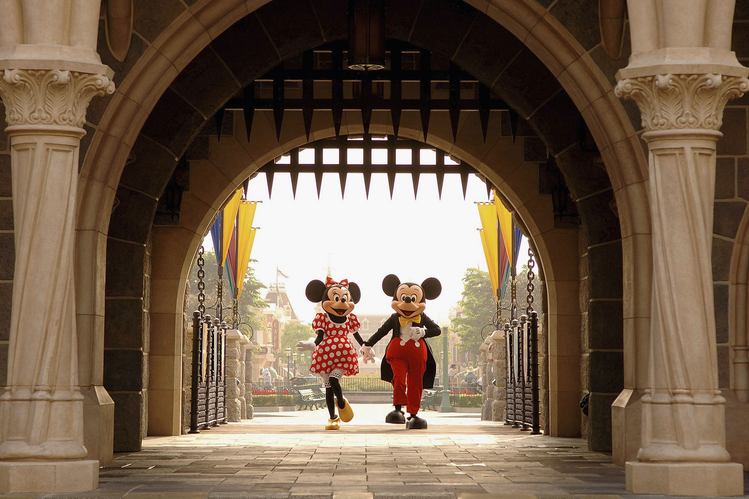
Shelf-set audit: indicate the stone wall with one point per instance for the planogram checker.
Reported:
(126, 341)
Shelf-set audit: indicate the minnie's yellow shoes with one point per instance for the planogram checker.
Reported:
(346, 413)
(333, 424)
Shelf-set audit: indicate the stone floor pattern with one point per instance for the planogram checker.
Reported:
(290, 455)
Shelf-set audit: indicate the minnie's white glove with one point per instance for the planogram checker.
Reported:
(366, 354)
(308, 345)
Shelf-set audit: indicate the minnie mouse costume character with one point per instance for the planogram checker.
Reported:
(408, 364)
(334, 356)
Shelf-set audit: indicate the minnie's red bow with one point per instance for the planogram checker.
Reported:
(330, 282)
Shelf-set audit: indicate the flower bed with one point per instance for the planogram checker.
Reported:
(466, 398)
(270, 400)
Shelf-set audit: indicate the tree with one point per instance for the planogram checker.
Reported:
(478, 309)
(251, 302)
(293, 333)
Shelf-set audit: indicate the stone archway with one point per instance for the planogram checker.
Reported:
(233, 159)
(585, 89)
(737, 393)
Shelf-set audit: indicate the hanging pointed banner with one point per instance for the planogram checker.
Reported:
(229, 217)
(246, 239)
(505, 223)
(489, 263)
(216, 237)
(230, 265)
(488, 216)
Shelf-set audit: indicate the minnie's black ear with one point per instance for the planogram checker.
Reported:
(432, 288)
(355, 292)
(390, 284)
(315, 291)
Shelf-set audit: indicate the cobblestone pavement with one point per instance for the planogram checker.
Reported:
(290, 455)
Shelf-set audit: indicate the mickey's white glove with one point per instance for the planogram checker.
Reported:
(417, 333)
(308, 345)
(366, 354)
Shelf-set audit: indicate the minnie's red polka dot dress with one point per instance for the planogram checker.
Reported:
(335, 350)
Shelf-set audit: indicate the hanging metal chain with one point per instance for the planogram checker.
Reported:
(201, 282)
(531, 276)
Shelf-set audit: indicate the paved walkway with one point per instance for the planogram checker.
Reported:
(290, 455)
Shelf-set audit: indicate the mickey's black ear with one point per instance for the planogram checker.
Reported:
(355, 292)
(432, 288)
(315, 291)
(390, 283)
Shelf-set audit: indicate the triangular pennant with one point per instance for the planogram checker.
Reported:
(219, 117)
(391, 181)
(248, 108)
(395, 116)
(294, 172)
(415, 181)
(318, 180)
(440, 179)
(367, 181)
(342, 175)
(269, 180)
(484, 97)
(514, 119)
(464, 171)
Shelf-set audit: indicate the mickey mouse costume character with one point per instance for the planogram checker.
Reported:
(334, 356)
(408, 364)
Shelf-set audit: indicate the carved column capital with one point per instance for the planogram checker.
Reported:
(50, 97)
(682, 101)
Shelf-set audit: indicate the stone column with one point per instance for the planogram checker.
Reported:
(683, 422)
(248, 382)
(499, 405)
(244, 342)
(234, 379)
(41, 411)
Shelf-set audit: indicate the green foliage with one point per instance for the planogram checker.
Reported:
(293, 333)
(478, 309)
(365, 383)
(251, 302)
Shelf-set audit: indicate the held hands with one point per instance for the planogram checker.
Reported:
(308, 345)
(366, 354)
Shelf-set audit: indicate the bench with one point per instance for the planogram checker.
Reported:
(309, 399)
(431, 399)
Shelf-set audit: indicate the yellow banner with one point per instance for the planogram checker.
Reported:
(227, 229)
(246, 238)
(489, 263)
(505, 225)
(488, 215)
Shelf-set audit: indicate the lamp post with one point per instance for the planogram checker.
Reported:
(445, 406)
(293, 358)
(301, 360)
(288, 364)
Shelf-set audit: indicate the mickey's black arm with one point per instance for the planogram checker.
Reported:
(386, 327)
(432, 328)
(320, 334)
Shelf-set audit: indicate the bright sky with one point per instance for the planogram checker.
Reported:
(364, 240)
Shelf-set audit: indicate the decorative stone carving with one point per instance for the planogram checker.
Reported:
(54, 97)
(682, 101)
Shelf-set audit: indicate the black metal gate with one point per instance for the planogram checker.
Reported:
(521, 343)
(207, 404)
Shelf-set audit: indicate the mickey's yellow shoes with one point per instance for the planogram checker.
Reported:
(333, 424)
(347, 413)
